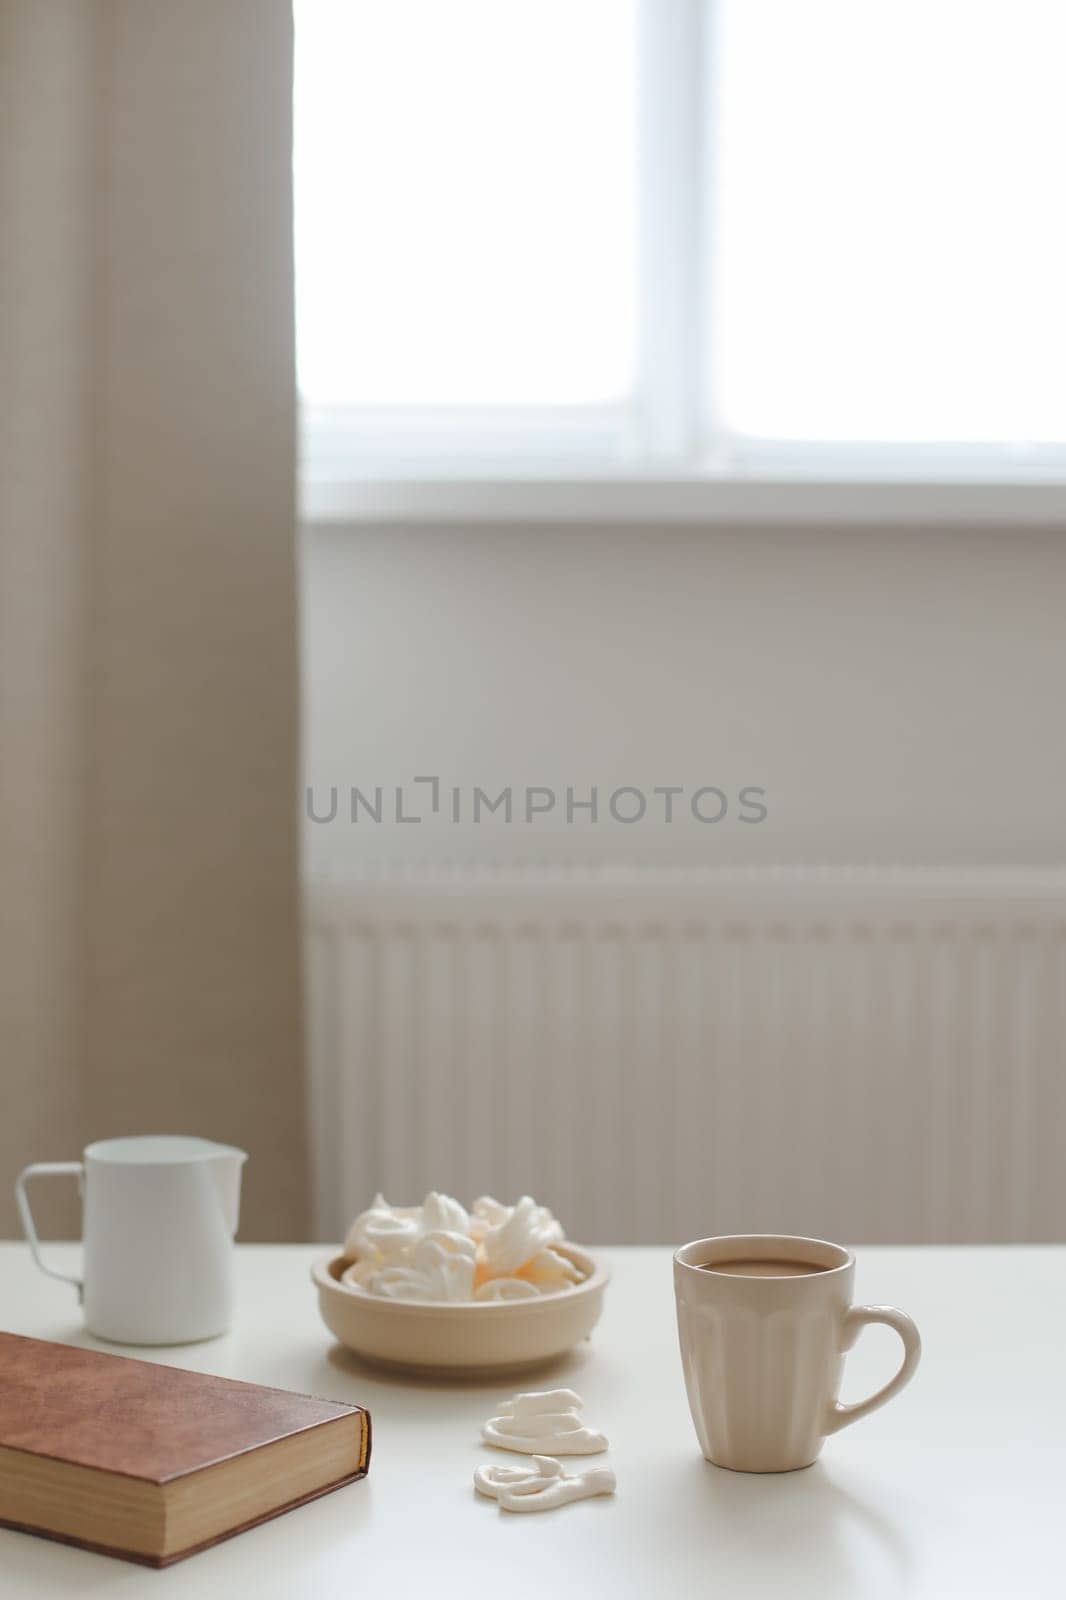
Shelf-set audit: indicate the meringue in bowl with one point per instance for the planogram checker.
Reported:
(439, 1288)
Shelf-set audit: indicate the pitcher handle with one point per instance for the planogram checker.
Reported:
(45, 1169)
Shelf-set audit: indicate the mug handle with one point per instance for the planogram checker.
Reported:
(857, 1319)
(45, 1169)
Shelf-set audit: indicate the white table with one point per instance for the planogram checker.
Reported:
(957, 1488)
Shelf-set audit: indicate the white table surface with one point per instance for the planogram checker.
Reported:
(956, 1488)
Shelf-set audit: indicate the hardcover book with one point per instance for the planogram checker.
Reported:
(153, 1463)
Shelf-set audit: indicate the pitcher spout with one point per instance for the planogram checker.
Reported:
(225, 1165)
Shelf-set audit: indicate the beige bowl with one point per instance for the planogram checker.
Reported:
(465, 1338)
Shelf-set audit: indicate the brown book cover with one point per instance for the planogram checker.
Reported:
(152, 1463)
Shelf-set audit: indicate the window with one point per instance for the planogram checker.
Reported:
(684, 239)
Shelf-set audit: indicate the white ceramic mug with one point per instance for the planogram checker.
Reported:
(160, 1213)
(763, 1348)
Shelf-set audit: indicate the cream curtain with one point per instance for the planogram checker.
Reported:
(149, 962)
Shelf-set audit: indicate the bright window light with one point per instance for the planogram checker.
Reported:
(888, 241)
(466, 188)
(697, 240)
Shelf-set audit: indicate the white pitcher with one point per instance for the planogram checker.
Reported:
(160, 1213)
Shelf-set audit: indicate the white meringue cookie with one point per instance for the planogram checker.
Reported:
(542, 1487)
(400, 1283)
(488, 1480)
(439, 1250)
(561, 1491)
(445, 1243)
(543, 1420)
(441, 1212)
(383, 1230)
(509, 1244)
(454, 1280)
(446, 1278)
(550, 1270)
(357, 1274)
(506, 1289)
(487, 1213)
(450, 1270)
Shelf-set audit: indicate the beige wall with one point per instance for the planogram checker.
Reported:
(45, 309)
(898, 691)
(150, 952)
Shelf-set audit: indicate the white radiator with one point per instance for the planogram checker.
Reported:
(869, 1056)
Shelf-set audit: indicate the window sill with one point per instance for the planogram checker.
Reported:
(692, 498)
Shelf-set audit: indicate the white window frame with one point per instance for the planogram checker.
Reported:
(664, 456)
